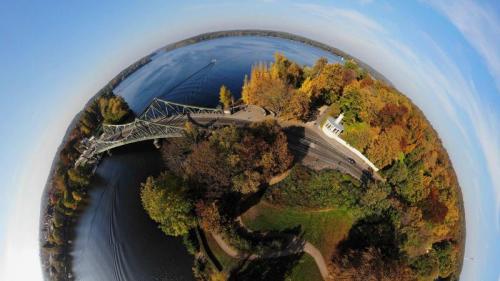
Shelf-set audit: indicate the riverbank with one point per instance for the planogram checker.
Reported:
(55, 259)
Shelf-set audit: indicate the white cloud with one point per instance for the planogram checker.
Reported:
(333, 14)
(480, 26)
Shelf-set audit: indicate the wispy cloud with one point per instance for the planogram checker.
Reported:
(480, 26)
(334, 14)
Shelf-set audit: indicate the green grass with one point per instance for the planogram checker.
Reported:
(305, 270)
(225, 260)
(324, 229)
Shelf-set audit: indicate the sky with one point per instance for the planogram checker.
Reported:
(55, 55)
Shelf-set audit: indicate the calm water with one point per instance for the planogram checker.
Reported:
(115, 240)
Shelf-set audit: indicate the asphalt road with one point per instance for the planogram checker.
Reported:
(305, 141)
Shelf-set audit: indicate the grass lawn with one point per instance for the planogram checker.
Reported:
(225, 260)
(305, 270)
(323, 228)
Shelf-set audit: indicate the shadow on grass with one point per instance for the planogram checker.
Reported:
(272, 269)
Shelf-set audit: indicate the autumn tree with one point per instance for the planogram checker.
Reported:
(392, 114)
(209, 216)
(298, 106)
(165, 200)
(78, 177)
(192, 132)
(90, 118)
(265, 90)
(289, 72)
(225, 97)
(327, 85)
(273, 88)
(113, 109)
(387, 147)
(238, 158)
(369, 265)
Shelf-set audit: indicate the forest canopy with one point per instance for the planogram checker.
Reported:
(420, 195)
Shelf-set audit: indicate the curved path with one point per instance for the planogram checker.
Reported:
(308, 248)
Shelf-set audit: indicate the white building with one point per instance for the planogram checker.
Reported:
(332, 127)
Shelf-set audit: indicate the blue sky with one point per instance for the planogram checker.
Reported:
(445, 55)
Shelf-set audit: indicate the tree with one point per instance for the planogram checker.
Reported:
(247, 182)
(266, 90)
(165, 200)
(375, 199)
(287, 71)
(329, 83)
(192, 132)
(225, 97)
(369, 265)
(446, 256)
(206, 164)
(298, 106)
(433, 210)
(318, 66)
(392, 114)
(113, 109)
(426, 266)
(413, 190)
(397, 173)
(78, 177)
(209, 216)
(387, 147)
(359, 135)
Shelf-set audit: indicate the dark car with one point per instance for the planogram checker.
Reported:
(351, 161)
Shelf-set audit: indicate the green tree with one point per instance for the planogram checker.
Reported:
(446, 257)
(225, 97)
(164, 199)
(426, 266)
(359, 135)
(397, 173)
(413, 189)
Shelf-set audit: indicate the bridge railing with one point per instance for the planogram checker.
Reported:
(161, 119)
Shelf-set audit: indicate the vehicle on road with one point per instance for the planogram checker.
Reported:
(351, 161)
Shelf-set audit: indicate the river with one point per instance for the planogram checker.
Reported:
(115, 239)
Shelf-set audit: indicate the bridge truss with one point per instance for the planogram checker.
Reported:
(161, 119)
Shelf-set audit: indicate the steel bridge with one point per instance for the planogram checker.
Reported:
(161, 119)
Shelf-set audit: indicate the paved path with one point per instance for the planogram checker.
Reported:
(308, 248)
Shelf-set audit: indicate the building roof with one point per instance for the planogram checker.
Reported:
(332, 120)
